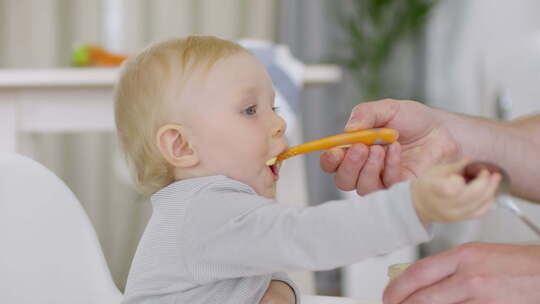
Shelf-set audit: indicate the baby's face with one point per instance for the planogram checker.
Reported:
(234, 127)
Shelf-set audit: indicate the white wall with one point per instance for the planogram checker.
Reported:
(460, 36)
(476, 50)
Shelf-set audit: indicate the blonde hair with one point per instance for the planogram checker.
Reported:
(148, 83)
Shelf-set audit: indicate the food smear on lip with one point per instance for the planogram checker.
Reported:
(271, 162)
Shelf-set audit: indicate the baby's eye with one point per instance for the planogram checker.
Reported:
(252, 110)
(275, 109)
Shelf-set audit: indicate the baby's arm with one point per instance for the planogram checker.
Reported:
(230, 234)
(443, 195)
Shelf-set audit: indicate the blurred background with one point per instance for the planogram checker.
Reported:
(480, 57)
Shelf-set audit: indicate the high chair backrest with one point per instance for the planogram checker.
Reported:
(49, 252)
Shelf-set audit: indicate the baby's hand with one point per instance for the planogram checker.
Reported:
(443, 195)
(278, 293)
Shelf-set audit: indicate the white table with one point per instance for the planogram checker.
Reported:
(76, 99)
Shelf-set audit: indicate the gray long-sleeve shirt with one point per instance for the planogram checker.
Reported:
(214, 240)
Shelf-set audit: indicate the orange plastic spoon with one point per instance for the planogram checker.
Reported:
(368, 137)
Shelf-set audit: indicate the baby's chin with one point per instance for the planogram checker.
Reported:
(270, 195)
(267, 192)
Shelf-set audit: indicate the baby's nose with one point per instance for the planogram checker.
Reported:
(280, 127)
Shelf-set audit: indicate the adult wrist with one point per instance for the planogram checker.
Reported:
(453, 124)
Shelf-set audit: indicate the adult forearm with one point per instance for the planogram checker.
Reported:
(514, 145)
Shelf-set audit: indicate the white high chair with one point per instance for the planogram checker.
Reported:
(49, 249)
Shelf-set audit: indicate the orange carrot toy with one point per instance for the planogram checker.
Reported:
(92, 55)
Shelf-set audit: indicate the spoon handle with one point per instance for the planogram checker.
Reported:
(378, 136)
(531, 225)
(508, 203)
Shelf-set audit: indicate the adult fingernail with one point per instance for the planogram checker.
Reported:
(351, 123)
(375, 151)
(331, 155)
(351, 126)
(356, 152)
(355, 155)
(350, 117)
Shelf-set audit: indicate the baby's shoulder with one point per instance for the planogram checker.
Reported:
(227, 195)
(219, 204)
(225, 186)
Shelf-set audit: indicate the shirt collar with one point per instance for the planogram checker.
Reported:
(182, 189)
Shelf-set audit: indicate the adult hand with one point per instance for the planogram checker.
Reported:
(471, 273)
(423, 141)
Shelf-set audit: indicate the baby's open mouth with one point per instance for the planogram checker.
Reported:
(274, 168)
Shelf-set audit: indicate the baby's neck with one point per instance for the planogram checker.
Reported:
(186, 173)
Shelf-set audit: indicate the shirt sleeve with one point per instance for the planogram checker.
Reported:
(229, 234)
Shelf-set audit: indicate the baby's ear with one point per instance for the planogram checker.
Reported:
(174, 144)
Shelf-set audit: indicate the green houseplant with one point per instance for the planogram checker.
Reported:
(372, 30)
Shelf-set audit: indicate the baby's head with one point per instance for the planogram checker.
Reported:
(196, 107)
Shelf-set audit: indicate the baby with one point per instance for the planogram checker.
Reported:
(197, 122)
